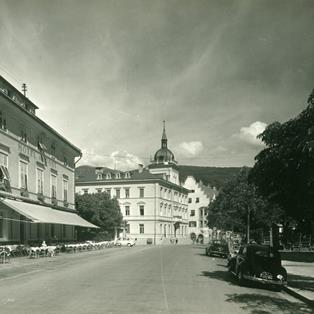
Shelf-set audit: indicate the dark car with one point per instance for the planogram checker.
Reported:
(258, 263)
(217, 248)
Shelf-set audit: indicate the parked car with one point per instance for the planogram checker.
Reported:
(217, 248)
(258, 263)
(125, 242)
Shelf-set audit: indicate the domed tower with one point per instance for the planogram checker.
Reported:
(164, 162)
(164, 155)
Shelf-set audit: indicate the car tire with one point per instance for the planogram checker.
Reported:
(129, 244)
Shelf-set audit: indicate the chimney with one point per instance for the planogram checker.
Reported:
(140, 168)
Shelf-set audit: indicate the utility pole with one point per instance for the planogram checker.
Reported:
(24, 89)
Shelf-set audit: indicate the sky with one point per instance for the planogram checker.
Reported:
(105, 74)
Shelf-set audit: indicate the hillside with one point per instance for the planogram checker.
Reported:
(213, 176)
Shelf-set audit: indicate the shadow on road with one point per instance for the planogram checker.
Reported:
(263, 304)
(220, 275)
(301, 282)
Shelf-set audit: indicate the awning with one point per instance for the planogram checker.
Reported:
(43, 214)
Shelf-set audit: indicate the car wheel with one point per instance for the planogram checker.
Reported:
(129, 244)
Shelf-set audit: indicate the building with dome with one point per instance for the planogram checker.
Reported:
(153, 203)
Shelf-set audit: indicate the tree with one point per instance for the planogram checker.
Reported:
(239, 205)
(100, 210)
(284, 170)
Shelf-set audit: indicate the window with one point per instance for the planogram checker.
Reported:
(197, 200)
(117, 193)
(53, 149)
(40, 181)
(127, 192)
(23, 135)
(192, 224)
(117, 175)
(127, 210)
(142, 192)
(127, 175)
(99, 190)
(65, 190)
(142, 228)
(99, 176)
(201, 224)
(192, 212)
(190, 200)
(23, 175)
(3, 159)
(108, 191)
(108, 176)
(3, 120)
(53, 186)
(127, 228)
(85, 191)
(141, 210)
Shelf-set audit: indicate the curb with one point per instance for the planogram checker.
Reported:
(299, 296)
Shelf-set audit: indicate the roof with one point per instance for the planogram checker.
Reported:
(86, 175)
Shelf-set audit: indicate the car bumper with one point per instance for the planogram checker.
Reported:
(265, 281)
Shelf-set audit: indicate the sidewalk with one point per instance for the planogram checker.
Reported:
(300, 280)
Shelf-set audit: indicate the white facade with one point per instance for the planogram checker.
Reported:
(154, 210)
(199, 197)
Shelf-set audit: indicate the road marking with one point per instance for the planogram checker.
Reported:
(163, 280)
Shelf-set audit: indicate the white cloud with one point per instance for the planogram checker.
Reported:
(249, 134)
(121, 160)
(189, 149)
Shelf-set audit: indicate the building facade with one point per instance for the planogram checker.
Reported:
(199, 197)
(36, 174)
(153, 203)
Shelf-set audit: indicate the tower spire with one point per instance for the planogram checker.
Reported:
(164, 136)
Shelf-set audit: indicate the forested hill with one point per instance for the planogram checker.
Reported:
(213, 176)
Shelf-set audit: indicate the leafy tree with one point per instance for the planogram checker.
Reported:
(284, 170)
(239, 203)
(100, 210)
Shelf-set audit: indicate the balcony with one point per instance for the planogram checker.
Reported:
(177, 218)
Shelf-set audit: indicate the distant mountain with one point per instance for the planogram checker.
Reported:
(213, 176)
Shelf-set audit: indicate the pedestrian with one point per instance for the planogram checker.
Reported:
(176, 240)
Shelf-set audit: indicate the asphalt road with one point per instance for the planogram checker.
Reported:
(167, 279)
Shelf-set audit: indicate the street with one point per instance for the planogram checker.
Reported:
(142, 279)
